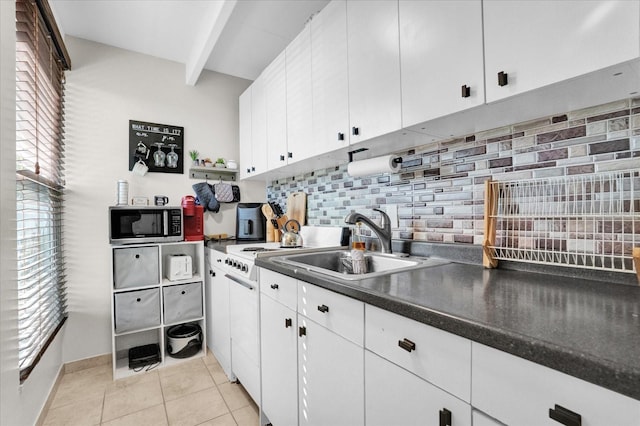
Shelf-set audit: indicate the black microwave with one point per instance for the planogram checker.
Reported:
(153, 224)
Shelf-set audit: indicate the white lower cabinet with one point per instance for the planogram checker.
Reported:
(395, 396)
(330, 377)
(331, 360)
(279, 349)
(520, 392)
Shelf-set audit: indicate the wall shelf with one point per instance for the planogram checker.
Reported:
(213, 173)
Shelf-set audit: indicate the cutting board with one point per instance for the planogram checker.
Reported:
(297, 207)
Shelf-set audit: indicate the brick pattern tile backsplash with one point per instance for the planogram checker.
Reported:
(439, 192)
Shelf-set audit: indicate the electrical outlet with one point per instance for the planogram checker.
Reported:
(392, 211)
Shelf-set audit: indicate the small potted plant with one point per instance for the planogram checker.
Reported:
(194, 157)
(220, 163)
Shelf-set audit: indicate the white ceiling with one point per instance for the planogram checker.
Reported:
(235, 37)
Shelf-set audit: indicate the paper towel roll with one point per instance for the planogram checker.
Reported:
(374, 166)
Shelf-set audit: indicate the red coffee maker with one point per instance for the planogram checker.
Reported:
(193, 217)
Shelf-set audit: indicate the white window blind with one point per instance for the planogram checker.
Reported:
(40, 181)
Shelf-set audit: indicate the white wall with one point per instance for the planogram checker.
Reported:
(106, 88)
(19, 405)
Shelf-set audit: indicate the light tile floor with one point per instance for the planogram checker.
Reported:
(196, 392)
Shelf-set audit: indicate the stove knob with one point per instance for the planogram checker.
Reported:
(227, 262)
(234, 264)
(245, 268)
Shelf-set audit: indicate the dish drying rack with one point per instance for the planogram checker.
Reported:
(584, 221)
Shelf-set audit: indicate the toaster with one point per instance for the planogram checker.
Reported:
(178, 267)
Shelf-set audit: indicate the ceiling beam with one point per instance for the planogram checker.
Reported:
(207, 39)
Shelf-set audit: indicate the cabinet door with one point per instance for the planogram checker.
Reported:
(278, 328)
(396, 397)
(542, 42)
(276, 101)
(519, 392)
(438, 59)
(330, 377)
(299, 115)
(330, 78)
(374, 68)
(244, 116)
(258, 127)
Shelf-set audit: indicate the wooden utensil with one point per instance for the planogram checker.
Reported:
(490, 211)
(268, 213)
(297, 207)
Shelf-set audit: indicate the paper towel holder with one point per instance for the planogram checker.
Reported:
(350, 153)
(396, 160)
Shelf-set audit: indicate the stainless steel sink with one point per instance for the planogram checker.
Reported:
(338, 263)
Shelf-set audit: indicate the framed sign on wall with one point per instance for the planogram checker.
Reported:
(159, 146)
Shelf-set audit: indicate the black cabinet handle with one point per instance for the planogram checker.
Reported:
(274, 286)
(290, 154)
(248, 170)
(282, 158)
(355, 131)
(302, 331)
(466, 91)
(287, 322)
(503, 78)
(445, 417)
(253, 169)
(340, 136)
(407, 345)
(564, 416)
(323, 308)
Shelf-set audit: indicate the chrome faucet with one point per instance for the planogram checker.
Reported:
(383, 232)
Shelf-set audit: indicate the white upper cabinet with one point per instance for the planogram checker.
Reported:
(441, 58)
(276, 105)
(299, 103)
(374, 68)
(258, 127)
(329, 76)
(244, 133)
(537, 43)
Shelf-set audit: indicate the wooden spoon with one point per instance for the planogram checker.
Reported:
(267, 211)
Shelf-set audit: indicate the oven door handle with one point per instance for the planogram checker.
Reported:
(239, 281)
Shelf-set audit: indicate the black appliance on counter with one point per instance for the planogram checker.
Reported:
(250, 223)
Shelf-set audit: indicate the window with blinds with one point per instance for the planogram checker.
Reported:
(40, 64)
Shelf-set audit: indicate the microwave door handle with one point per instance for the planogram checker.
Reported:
(165, 222)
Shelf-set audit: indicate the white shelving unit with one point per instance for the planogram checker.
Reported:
(138, 306)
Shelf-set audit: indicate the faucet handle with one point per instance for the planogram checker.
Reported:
(386, 221)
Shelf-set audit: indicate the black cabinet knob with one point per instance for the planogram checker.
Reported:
(407, 345)
(183, 292)
(287, 322)
(564, 416)
(248, 170)
(503, 78)
(137, 256)
(253, 169)
(290, 154)
(340, 136)
(282, 158)
(323, 308)
(445, 417)
(138, 299)
(302, 331)
(466, 91)
(355, 131)
(274, 286)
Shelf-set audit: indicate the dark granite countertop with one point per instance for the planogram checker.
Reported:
(586, 328)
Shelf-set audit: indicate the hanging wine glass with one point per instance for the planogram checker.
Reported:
(159, 156)
(172, 157)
